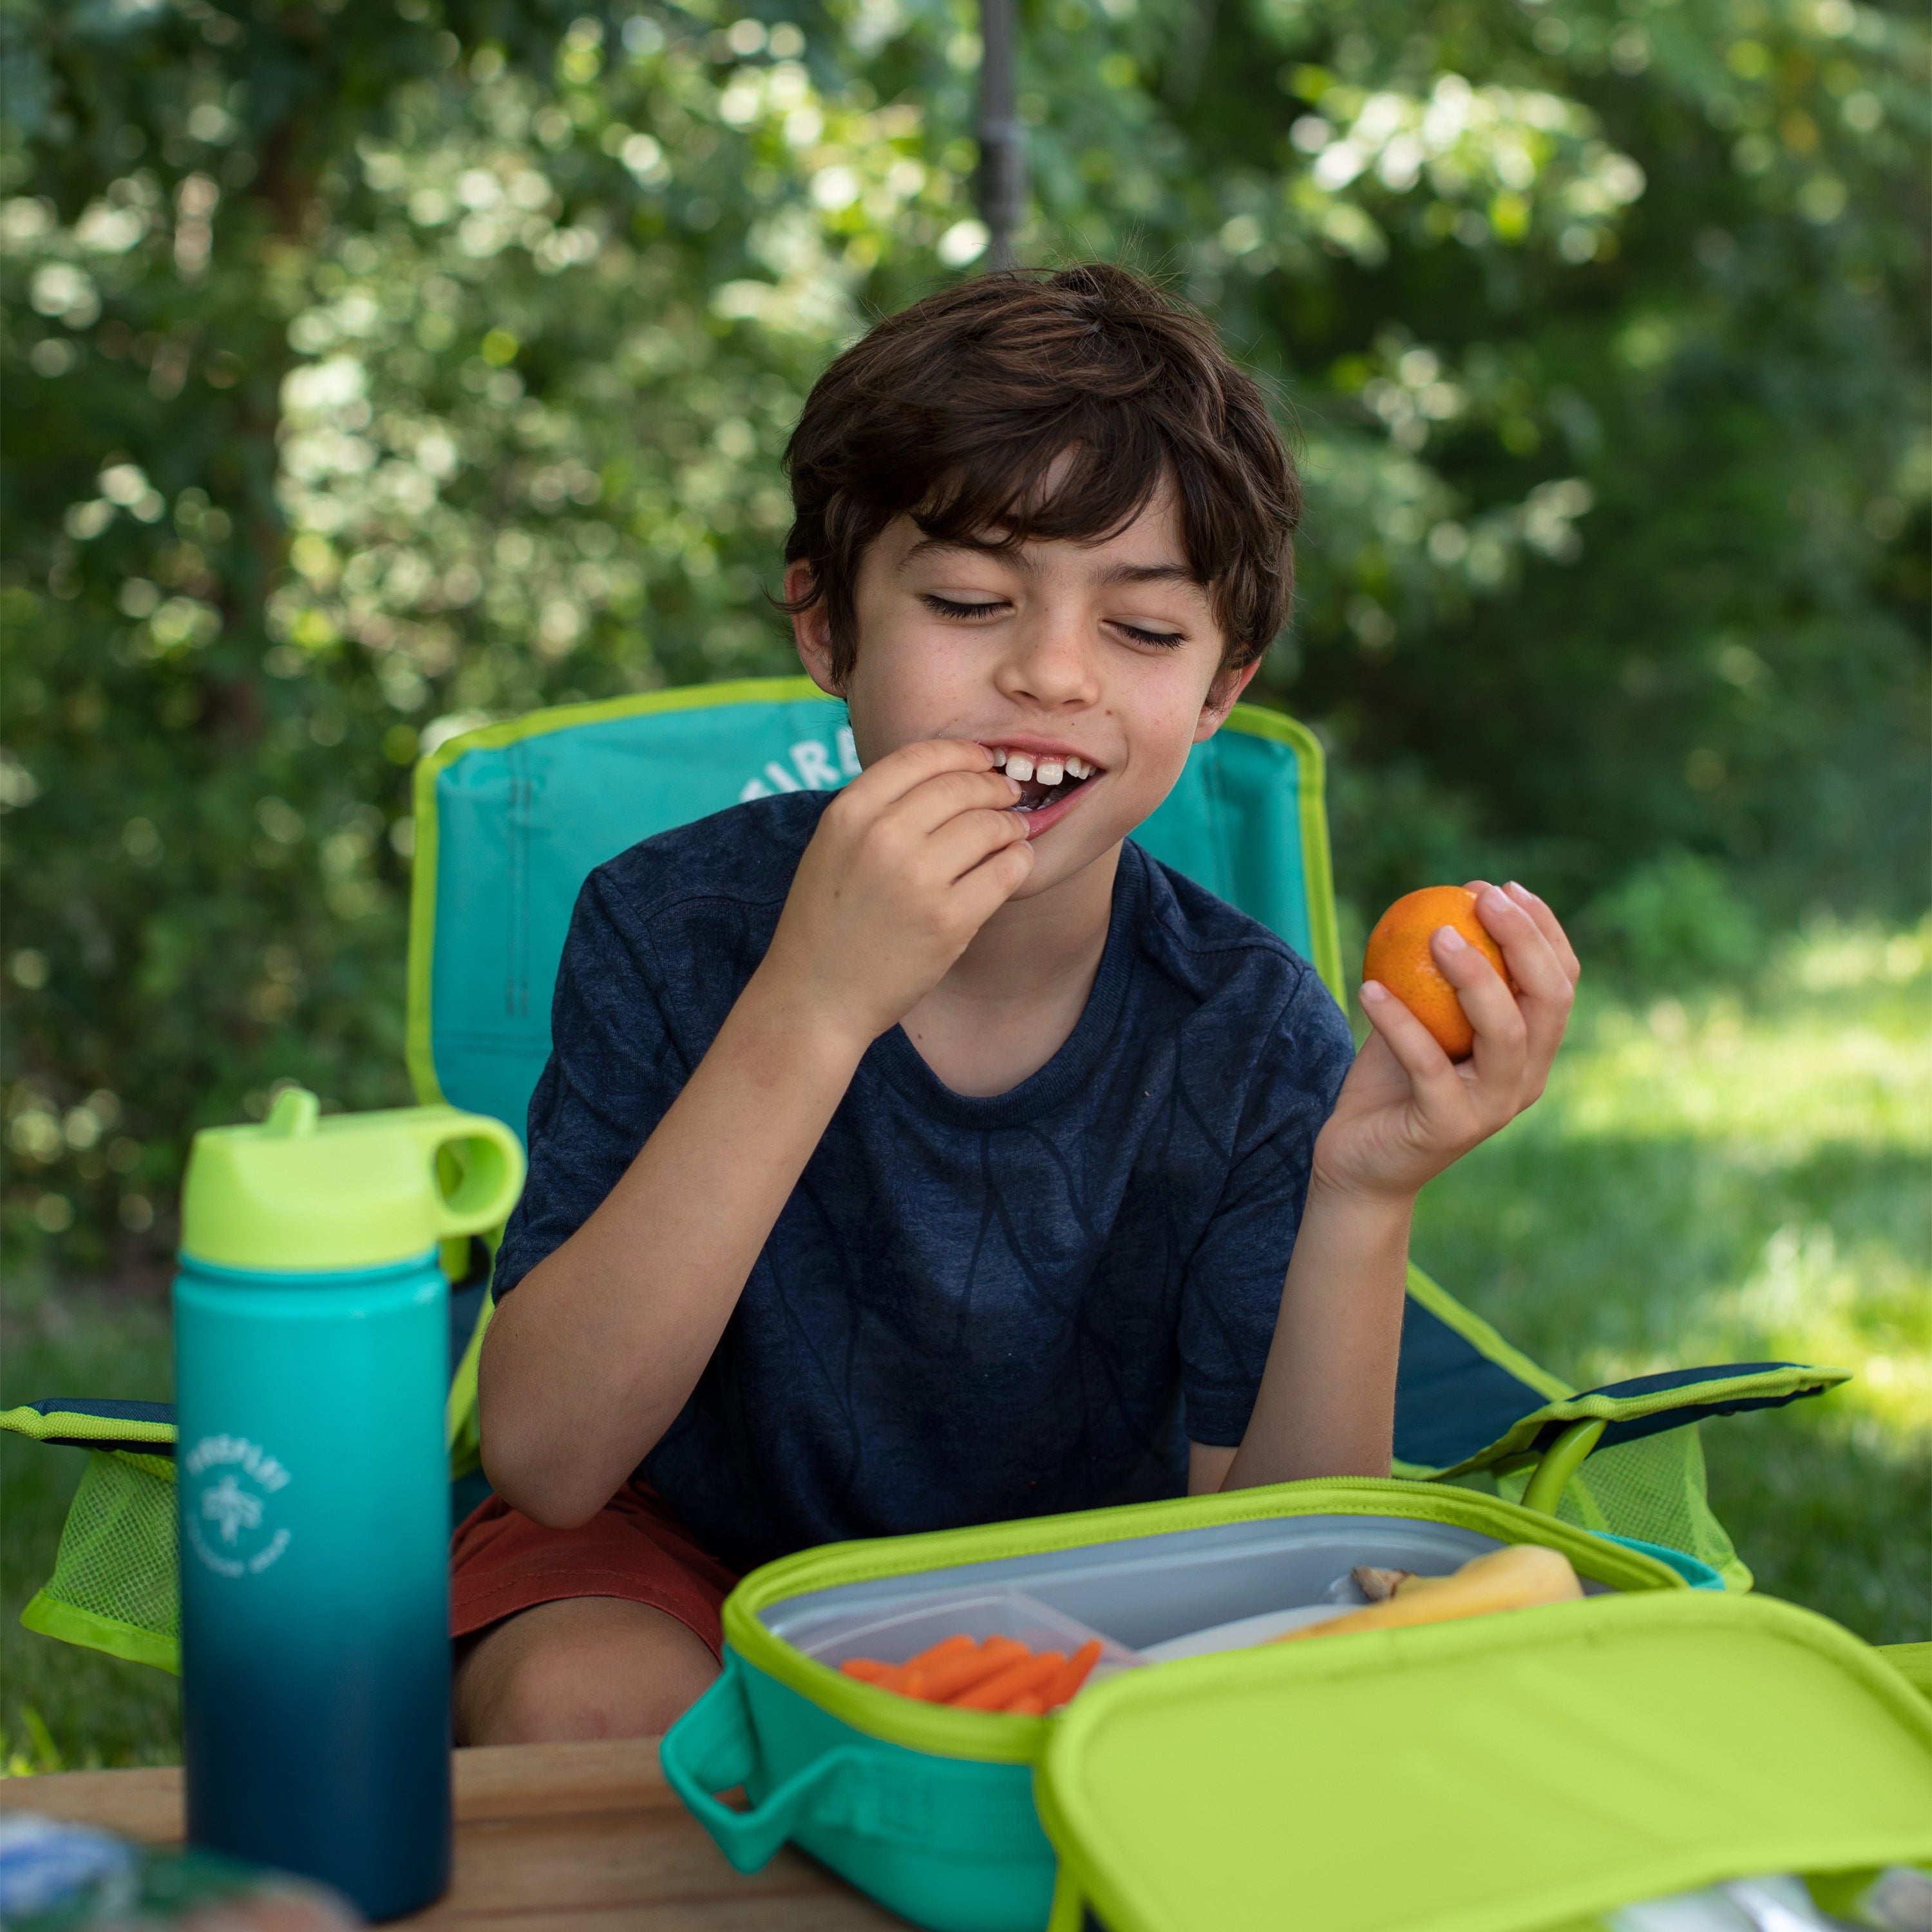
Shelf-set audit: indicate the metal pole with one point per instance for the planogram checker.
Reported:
(1002, 181)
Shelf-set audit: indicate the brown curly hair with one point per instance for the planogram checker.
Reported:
(955, 411)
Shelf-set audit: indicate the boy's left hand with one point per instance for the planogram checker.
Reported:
(1406, 1111)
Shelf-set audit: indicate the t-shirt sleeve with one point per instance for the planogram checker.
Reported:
(613, 1071)
(1231, 1293)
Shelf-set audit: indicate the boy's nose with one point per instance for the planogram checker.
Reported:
(1051, 661)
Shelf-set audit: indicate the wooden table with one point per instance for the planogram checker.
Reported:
(585, 1837)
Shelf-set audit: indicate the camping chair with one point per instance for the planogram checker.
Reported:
(509, 821)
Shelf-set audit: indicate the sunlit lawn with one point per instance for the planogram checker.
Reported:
(1742, 1176)
(1736, 1176)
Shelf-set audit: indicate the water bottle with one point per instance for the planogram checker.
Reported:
(311, 1368)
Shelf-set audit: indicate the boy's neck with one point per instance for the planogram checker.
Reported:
(1013, 997)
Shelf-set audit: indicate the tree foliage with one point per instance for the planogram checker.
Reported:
(372, 372)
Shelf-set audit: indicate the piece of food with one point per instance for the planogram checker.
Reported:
(952, 1646)
(1027, 1673)
(1071, 1675)
(1517, 1578)
(1399, 958)
(1001, 1674)
(1377, 1586)
(944, 1681)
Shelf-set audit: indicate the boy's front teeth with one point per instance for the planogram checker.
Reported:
(1048, 771)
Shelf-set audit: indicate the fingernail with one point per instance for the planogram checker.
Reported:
(1452, 941)
(1373, 992)
(1520, 892)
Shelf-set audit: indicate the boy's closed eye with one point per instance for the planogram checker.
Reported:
(973, 609)
(964, 609)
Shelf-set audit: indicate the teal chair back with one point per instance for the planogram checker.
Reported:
(510, 819)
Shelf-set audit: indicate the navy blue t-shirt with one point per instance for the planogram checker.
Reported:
(971, 1308)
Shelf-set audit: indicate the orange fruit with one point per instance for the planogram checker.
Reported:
(1398, 956)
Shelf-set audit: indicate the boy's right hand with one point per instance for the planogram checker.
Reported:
(908, 862)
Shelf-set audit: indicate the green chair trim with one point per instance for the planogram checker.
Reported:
(71, 1625)
(77, 1430)
(1324, 940)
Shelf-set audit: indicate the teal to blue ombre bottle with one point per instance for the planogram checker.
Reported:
(313, 1486)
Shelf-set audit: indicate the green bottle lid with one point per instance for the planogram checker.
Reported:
(301, 1193)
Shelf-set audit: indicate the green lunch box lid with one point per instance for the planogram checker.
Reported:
(1510, 1773)
(301, 1193)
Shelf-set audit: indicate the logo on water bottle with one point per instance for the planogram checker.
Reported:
(229, 1482)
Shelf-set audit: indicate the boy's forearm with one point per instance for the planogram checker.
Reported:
(589, 1362)
(1327, 1404)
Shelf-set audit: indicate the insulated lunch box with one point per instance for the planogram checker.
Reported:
(930, 1810)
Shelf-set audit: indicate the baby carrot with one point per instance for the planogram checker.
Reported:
(1027, 1704)
(945, 1681)
(1072, 1674)
(953, 1646)
(1025, 1673)
(868, 1669)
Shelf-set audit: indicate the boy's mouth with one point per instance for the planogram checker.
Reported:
(1044, 779)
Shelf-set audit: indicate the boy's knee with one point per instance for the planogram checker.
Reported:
(590, 1667)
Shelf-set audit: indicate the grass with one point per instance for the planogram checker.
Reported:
(1734, 1175)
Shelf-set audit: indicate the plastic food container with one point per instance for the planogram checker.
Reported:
(930, 1616)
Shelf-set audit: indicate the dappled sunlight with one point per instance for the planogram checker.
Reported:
(1866, 1308)
(1736, 1176)
(1835, 1049)
(1741, 1175)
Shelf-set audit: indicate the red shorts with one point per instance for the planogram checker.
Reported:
(501, 1562)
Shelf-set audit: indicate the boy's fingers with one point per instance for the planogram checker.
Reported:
(965, 839)
(994, 880)
(1417, 1050)
(1550, 926)
(898, 772)
(1502, 1030)
(1495, 906)
(926, 806)
(1530, 959)
(1546, 987)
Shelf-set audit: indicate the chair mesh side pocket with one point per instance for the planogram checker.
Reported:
(1653, 1490)
(116, 1585)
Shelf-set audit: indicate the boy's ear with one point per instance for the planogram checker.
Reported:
(1222, 695)
(811, 627)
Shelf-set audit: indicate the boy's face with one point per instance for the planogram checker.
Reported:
(1106, 654)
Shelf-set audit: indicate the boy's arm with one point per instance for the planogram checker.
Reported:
(1327, 1403)
(588, 1363)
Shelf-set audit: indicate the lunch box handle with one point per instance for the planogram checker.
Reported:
(712, 1747)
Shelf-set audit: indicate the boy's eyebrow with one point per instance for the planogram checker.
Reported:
(970, 545)
(1151, 573)
(1118, 573)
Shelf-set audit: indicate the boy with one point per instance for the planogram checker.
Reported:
(925, 1154)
